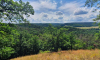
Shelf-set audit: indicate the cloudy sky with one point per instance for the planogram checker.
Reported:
(60, 11)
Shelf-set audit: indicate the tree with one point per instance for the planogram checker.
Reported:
(14, 11)
(11, 11)
(72, 40)
(6, 41)
(96, 3)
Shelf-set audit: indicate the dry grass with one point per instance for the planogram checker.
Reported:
(65, 55)
(88, 27)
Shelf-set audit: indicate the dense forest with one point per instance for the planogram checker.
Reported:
(26, 39)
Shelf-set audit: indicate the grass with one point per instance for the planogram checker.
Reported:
(88, 27)
(65, 55)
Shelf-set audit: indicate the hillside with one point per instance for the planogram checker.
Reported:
(64, 55)
(80, 24)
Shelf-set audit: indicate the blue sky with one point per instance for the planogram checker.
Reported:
(61, 11)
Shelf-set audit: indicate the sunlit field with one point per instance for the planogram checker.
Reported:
(88, 27)
(65, 55)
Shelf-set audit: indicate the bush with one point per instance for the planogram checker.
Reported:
(90, 47)
(44, 51)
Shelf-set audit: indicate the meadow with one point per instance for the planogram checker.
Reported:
(96, 27)
(64, 55)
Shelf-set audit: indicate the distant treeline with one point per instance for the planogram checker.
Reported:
(79, 24)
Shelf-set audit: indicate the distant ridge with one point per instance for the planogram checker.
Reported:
(81, 24)
(74, 24)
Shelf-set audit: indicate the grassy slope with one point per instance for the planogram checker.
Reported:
(65, 55)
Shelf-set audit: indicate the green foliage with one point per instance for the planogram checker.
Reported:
(97, 35)
(20, 41)
(6, 41)
(59, 49)
(90, 47)
(54, 38)
(6, 52)
(43, 51)
(91, 3)
(97, 40)
(14, 11)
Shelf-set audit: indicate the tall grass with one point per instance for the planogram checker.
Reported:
(65, 55)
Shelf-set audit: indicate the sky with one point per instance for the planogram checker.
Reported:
(61, 11)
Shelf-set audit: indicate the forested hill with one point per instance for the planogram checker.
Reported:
(38, 25)
(78, 24)
(27, 39)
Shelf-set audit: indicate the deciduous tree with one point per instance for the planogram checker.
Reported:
(14, 11)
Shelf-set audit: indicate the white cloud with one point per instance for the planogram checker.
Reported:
(47, 11)
(66, 12)
(38, 5)
(70, 7)
(90, 14)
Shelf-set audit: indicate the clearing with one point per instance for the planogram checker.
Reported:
(96, 27)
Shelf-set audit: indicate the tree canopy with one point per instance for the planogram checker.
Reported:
(15, 11)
